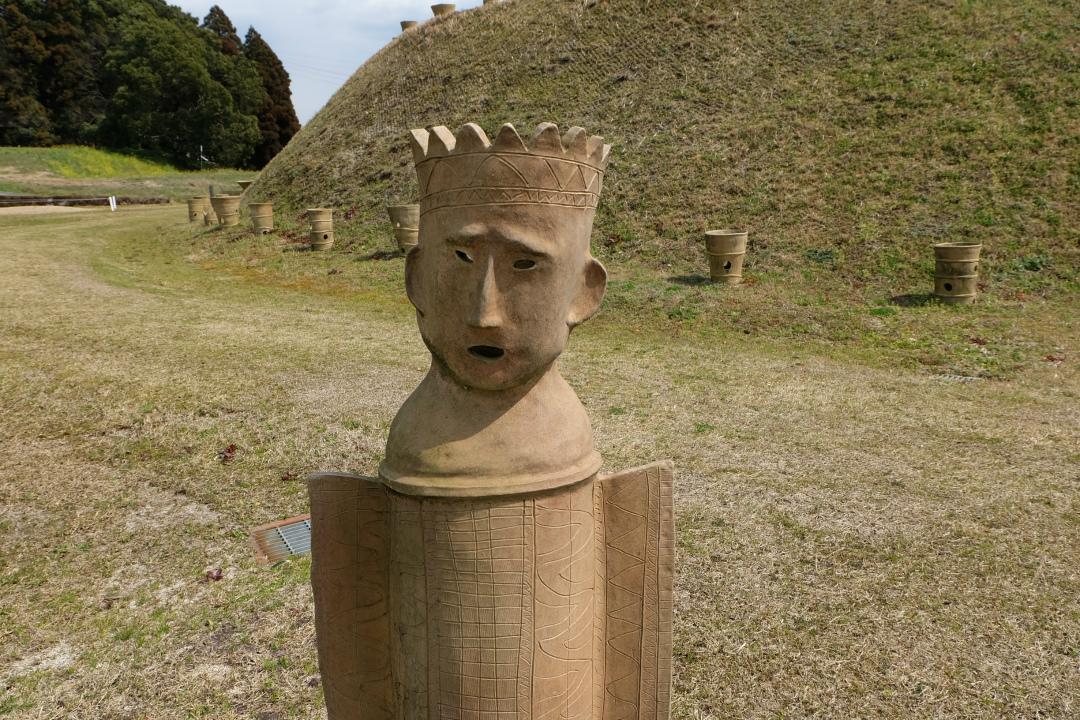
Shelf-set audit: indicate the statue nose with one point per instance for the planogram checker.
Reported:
(486, 311)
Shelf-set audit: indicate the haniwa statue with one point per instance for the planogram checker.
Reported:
(490, 572)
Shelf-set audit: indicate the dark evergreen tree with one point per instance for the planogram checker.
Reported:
(277, 116)
(68, 79)
(233, 70)
(23, 119)
(218, 23)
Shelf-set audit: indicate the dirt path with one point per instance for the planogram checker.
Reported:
(852, 542)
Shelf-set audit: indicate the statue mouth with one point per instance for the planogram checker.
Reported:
(486, 352)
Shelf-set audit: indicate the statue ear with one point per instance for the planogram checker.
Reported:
(590, 293)
(412, 279)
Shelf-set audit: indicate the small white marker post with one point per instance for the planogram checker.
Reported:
(112, 202)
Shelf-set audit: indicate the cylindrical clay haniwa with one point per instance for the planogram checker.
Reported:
(197, 207)
(406, 222)
(227, 209)
(322, 228)
(956, 272)
(726, 250)
(443, 9)
(262, 217)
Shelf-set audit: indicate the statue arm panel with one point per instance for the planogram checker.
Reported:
(350, 580)
(639, 553)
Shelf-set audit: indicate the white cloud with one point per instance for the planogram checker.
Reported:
(321, 42)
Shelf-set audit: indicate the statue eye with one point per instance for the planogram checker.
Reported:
(524, 264)
(463, 256)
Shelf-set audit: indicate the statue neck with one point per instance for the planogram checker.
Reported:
(448, 440)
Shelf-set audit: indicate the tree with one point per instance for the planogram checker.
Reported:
(138, 75)
(23, 119)
(68, 79)
(277, 116)
(218, 23)
(167, 95)
(233, 70)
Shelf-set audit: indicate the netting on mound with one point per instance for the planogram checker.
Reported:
(551, 41)
(522, 58)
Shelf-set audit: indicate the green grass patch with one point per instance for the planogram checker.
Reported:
(78, 162)
(70, 170)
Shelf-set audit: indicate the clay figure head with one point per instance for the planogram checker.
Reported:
(502, 272)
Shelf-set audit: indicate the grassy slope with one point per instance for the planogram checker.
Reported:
(78, 162)
(76, 170)
(852, 541)
(845, 134)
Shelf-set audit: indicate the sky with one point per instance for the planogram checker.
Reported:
(321, 42)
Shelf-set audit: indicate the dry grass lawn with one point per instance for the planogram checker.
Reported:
(856, 539)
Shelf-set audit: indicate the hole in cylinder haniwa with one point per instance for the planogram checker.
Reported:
(948, 286)
(326, 236)
(727, 265)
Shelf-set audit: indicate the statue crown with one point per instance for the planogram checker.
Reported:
(466, 169)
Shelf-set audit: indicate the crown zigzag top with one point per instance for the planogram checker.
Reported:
(466, 168)
(575, 145)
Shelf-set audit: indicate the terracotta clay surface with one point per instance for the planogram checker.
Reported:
(227, 209)
(197, 207)
(956, 272)
(262, 217)
(443, 9)
(406, 222)
(321, 230)
(554, 604)
(501, 275)
(408, 24)
(726, 250)
(489, 572)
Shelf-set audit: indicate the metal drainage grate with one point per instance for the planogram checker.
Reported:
(957, 378)
(279, 540)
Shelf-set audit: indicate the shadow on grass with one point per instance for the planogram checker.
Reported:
(383, 255)
(913, 300)
(689, 280)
